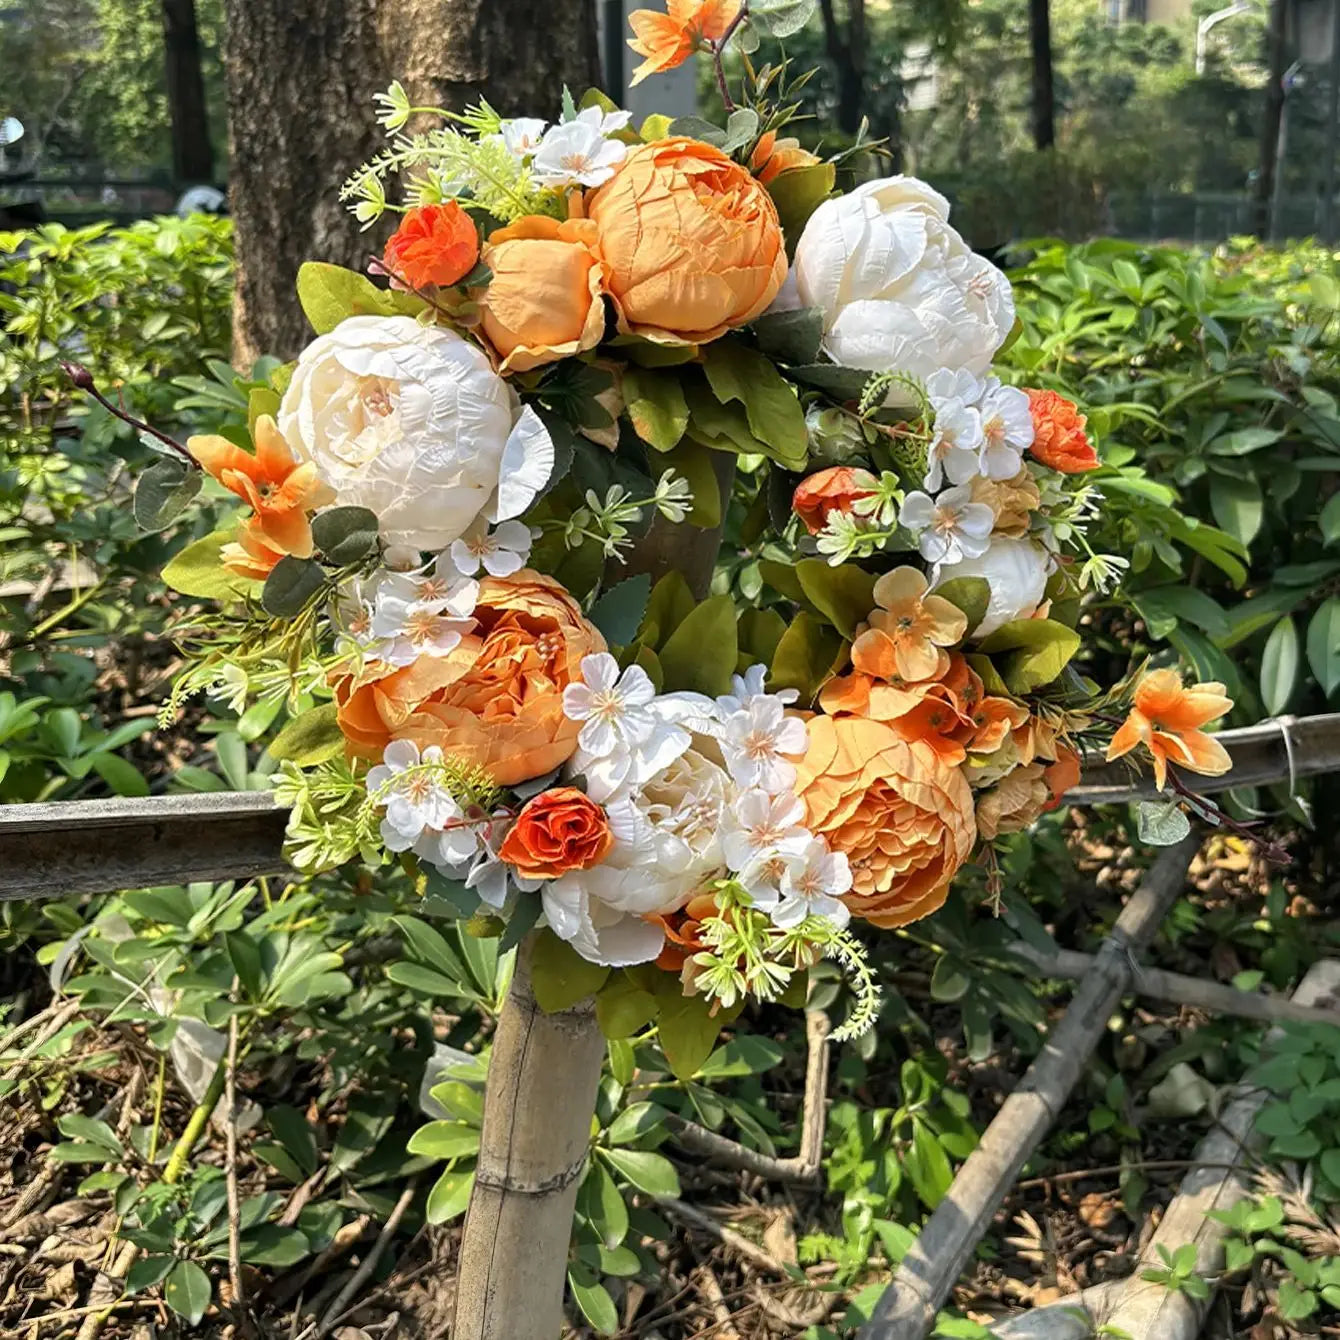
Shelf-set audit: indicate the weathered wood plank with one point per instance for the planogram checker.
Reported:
(89, 846)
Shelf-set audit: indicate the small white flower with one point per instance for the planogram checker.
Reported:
(410, 787)
(811, 885)
(673, 497)
(421, 614)
(956, 445)
(231, 685)
(760, 742)
(521, 135)
(950, 527)
(607, 123)
(612, 706)
(501, 551)
(1007, 429)
(761, 825)
(576, 154)
(761, 879)
(748, 686)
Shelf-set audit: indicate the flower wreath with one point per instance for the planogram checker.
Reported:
(571, 328)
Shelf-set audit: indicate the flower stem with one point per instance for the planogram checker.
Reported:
(719, 50)
(83, 379)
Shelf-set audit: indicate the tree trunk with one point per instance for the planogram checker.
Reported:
(301, 75)
(1270, 122)
(192, 152)
(1044, 98)
(846, 50)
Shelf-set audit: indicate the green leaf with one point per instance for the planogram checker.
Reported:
(593, 1299)
(741, 127)
(601, 1201)
(636, 1121)
(309, 739)
(1243, 441)
(1031, 652)
(123, 777)
(841, 384)
(188, 1291)
(695, 462)
(619, 611)
(1323, 645)
(560, 976)
(745, 1055)
(245, 956)
(736, 372)
(696, 128)
(701, 654)
(198, 570)
(430, 947)
(146, 1272)
(424, 980)
(329, 293)
(1161, 823)
(798, 192)
(655, 405)
(163, 491)
(791, 337)
(79, 1127)
(444, 1140)
(927, 1166)
(449, 1197)
(293, 1131)
(845, 594)
(782, 18)
(623, 1008)
(649, 1172)
(1165, 606)
(670, 603)
(805, 656)
(292, 585)
(1237, 506)
(1279, 666)
(345, 535)
(688, 1031)
(1329, 521)
(970, 594)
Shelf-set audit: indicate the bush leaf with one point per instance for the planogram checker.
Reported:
(309, 739)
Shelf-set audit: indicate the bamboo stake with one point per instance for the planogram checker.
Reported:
(541, 1093)
(907, 1309)
(1181, 990)
(1143, 1309)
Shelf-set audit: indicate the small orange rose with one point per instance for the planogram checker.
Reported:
(496, 700)
(691, 243)
(434, 245)
(1059, 439)
(772, 156)
(903, 817)
(831, 490)
(543, 301)
(557, 831)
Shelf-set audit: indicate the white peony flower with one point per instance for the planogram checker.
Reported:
(760, 825)
(413, 794)
(576, 153)
(412, 422)
(667, 846)
(948, 527)
(1015, 569)
(899, 289)
(811, 886)
(522, 134)
(760, 744)
(500, 551)
(1007, 429)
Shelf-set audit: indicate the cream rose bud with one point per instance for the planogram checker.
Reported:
(1016, 571)
(412, 422)
(900, 290)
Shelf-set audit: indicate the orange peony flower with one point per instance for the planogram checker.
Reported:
(1062, 775)
(1167, 717)
(543, 302)
(831, 490)
(908, 632)
(434, 245)
(280, 490)
(1014, 802)
(668, 40)
(690, 241)
(1059, 439)
(772, 157)
(903, 817)
(497, 699)
(557, 831)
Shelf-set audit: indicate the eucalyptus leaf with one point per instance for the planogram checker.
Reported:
(292, 586)
(163, 492)
(345, 535)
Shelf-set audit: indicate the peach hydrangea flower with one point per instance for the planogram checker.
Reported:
(1167, 717)
(907, 634)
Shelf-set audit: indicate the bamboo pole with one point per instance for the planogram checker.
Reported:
(1143, 1309)
(908, 1307)
(541, 1093)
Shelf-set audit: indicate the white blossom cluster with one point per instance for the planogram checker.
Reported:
(576, 152)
